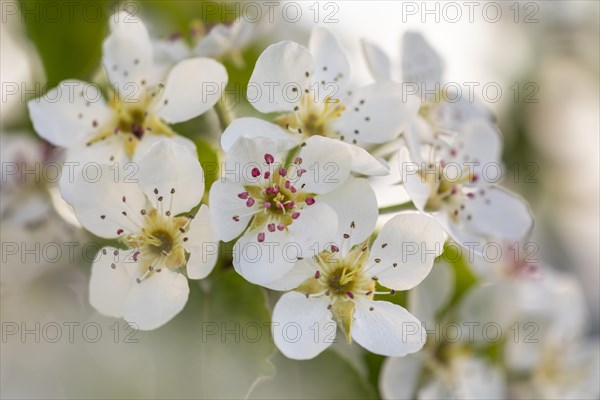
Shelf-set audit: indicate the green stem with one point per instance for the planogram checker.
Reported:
(397, 207)
(224, 112)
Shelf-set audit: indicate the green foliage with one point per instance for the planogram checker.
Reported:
(327, 376)
(464, 277)
(68, 35)
(209, 159)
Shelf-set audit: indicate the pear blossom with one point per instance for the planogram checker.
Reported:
(336, 288)
(444, 369)
(24, 198)
(282, 210)
(442, 108)
(462, 376)
(556, 360)
(310, 87)
(224, 41)
(145, 283)
(454, 179)
(141, 104)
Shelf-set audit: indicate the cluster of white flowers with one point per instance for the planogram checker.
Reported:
(295, 193)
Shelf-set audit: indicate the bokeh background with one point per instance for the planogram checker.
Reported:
(551, 126)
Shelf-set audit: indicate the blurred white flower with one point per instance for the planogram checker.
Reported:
(143, 284)
(311, 86)
(556, 360)
(284, 210)
(444, 369)
(222, 42)
(337, 286)
(442, 108)
(141, 105)
(24, 199)
(461, 376)
(454, 179)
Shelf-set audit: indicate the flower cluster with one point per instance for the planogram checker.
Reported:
(294, 199)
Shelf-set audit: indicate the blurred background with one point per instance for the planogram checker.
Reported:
(543, 55)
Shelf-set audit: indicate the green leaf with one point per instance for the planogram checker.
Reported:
(68, 35)
(220, 342)
(464, 277)
(209, 159)
(217, 347)
(326, 377)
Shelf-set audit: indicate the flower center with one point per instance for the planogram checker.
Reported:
(445, 191)
(131, 121)
(274, 201)
(165, 239)
(341, 280)
(312, 117)
(158, 238)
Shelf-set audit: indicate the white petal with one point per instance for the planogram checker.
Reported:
(167, 52)
(80, 159)
(411, 241)
(437, 388)
(127, 53)
(364, 163)
(192, 87)
(490, 304)
(420, 62)
(249, 153)
(217, 42)
(110, 287)
(315, 227)
(69, 113)
(432, 294)
(496, 213)
(281, 67)
(148, 140)
(332, 69)
(224, 205)
(400, 376)
(171, 169)
(153, 302)
(454, 115)
(479, 148)
(250, 127)
(303, 270)
(326, 163)
(477, 379)
(386, 329)
(302, 327)
(416, 187)
(378, 62)
(354, 201)
(267, 261)
(377, 113)
(202, 245)
(100, 192)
